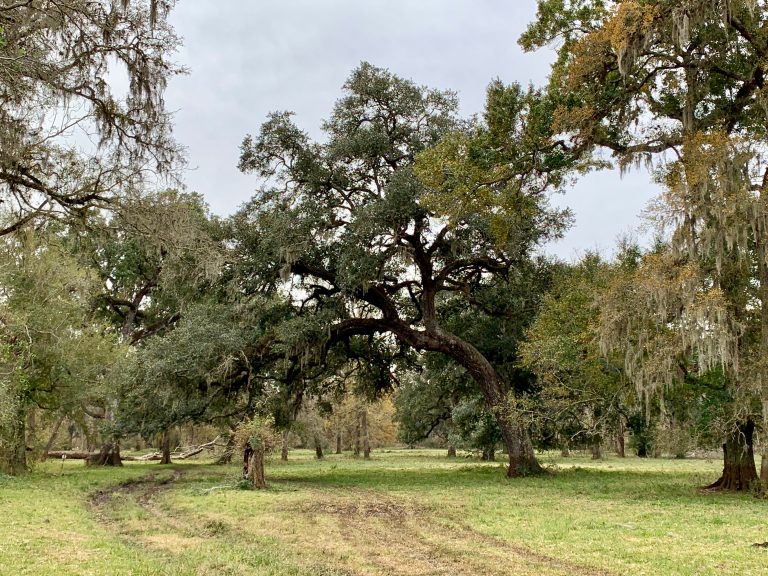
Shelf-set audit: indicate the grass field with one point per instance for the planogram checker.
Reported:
(403, 512)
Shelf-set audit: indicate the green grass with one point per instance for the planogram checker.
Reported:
(403, 512)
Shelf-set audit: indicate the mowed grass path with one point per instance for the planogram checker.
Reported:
(403, 512)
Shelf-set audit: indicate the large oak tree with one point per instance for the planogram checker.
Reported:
(680, 85)
(400, 206)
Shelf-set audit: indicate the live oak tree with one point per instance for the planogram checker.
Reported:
(400, 206)
(56, 355)
(583, 394)
(157, 256)
(219, 364)
(68, 140)
(155, 253)
(680, 85)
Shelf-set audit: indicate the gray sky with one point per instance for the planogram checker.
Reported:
(248, 58)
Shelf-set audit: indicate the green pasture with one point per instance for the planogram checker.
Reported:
(410, 512)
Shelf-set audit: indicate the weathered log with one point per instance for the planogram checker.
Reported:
(70, 454)
(197, 449)
(150, 457)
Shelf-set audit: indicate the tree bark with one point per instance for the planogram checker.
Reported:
(517, 441)
(71, 454)
(31, 431)
(109, 455)
(253, 464)
(229, 451)
(284, 448)
(451, 451)
(434, 338)
(318, 446)
(338, 441)
(356, 447)
(597, 453)
(364, 432)
(54, 434)
(762, 267)
(620, 448)
(764, 471)
(739, 472)
(165, 447)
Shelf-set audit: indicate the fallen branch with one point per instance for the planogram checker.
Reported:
(81, 455)
(197, 449)
(69, 454)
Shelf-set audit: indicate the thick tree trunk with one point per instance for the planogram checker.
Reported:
(338, 441)
(515, 436)
(165, 447)
(739, 472)
(451, 451)
(71, 454)
(597, 453)
(434, 338)
(284, 448)
(364, 433)
(764, 470)
(253, 468)
(31, 432)
(109, 455)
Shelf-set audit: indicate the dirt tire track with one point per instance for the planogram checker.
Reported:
(384, 535)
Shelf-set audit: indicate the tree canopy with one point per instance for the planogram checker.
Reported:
(358, 231)
(68, 138)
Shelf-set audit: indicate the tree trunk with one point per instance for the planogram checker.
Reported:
(596, 452)
(284, 449)
(517, 441)
(739, 472)
(764, 470)
(620, 451)
(253, 464)
(762, 268)
(434, 338)
(356, 447)
(451, 451)
(338, 441)
(364, 433)
(31, 432)
(54, 434)
(165, 447)
(489, 454)
(229, 451)
(318, 446)
(109, 455)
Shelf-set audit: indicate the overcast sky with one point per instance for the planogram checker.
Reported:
(249, 58)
